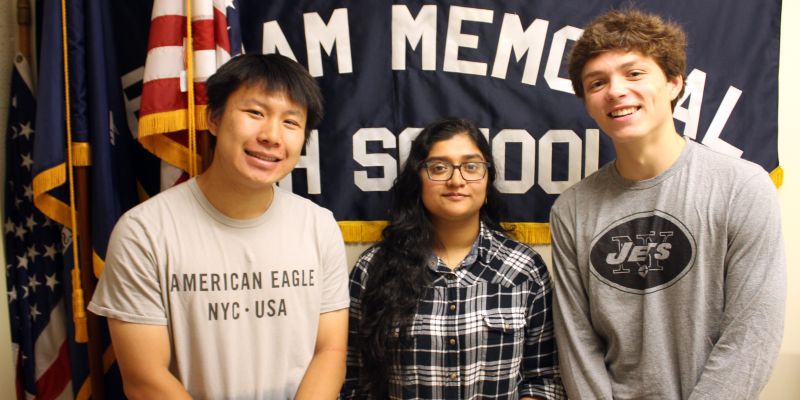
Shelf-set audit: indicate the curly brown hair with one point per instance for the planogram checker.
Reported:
(631, 30)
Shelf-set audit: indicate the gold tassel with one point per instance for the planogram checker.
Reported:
(78, 308)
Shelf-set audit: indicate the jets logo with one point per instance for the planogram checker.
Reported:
(643, 253)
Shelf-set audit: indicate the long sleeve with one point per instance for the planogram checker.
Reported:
(581, 351)
(755, 293)
(540, 358)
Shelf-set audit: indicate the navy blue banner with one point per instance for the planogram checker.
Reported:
(388, 68)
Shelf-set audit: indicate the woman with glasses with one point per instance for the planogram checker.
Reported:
(447, 305)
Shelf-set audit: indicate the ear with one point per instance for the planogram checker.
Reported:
(211, 123)
(677, 85)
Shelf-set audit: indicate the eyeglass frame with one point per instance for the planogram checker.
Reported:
(425, 165)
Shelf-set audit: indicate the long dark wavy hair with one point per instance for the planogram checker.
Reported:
(397, 274)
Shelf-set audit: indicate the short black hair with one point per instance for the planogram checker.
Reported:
(273, 72)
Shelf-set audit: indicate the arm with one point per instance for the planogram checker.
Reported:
(581, 351)
(324, 376)
(143, 354)
(539, 355)
(751, 327)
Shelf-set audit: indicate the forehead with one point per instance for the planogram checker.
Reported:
(456, 147)
(261, 93)
(612, 60)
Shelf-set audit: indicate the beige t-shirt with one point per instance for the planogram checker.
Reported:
(241, 298)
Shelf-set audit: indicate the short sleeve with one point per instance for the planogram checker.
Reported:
(129, 288)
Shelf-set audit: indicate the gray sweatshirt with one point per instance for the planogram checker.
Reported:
(672, 287)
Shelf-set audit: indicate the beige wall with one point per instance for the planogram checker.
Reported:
(785, 382)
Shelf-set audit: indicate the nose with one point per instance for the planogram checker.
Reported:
(270, 133)
(457, 179)
(617, 87)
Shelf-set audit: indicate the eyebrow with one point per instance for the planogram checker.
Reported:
(595, 73)
(467, 157)
(297, 111)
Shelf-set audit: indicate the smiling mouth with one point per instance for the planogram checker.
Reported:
(261, 156)
(623, 112)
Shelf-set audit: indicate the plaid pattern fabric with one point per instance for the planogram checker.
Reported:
(484, 331)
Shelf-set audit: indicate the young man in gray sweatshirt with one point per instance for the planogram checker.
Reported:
(669, 263)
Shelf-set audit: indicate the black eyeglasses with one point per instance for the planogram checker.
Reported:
(443, 170)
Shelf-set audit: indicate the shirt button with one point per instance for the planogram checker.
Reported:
(454, 376)
(507, 326)
(452, 307)
(452, 342)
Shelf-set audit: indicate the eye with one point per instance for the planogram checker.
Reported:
(439, 168)
(636, 73)
(254, 112)
(472, 166)
(293, 123)
(594, 85)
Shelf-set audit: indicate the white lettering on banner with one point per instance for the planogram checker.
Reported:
(528, 158)
(557, 49)
(406, 27)
(527, 167)
(416, 36)
(335, 32)
(695, 86)
(546, 160)
(274, 41)
(592, 158)
(456, 40)
(386, 161)
(530, 41)
(404, 140)
(309, 161)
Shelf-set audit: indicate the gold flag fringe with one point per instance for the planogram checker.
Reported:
(370, 231)
(152, 130)
(777, 176)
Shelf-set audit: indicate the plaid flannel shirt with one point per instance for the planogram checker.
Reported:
(484, 331)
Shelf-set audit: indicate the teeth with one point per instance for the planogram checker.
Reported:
(623, 112)
(261, 157)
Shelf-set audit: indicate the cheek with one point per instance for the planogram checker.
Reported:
(427, 193)
(480, 191)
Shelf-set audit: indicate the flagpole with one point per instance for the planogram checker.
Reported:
(88, 282)
(24, 28)
(82, 244)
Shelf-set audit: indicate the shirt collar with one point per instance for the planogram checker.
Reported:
(484, 248)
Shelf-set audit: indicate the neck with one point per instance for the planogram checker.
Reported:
(646, 159)
(234, 201)
(454, 239)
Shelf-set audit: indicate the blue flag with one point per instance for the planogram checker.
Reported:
(100, 140)
(36, 278)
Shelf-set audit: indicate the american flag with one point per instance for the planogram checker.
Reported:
(164, 112)
(35, 269)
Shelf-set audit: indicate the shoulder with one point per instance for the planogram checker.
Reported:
(169, 204)
(586, 187)
(298, 205)
(360, 270)
(737, 174)
(716, 162)
(515, 262)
